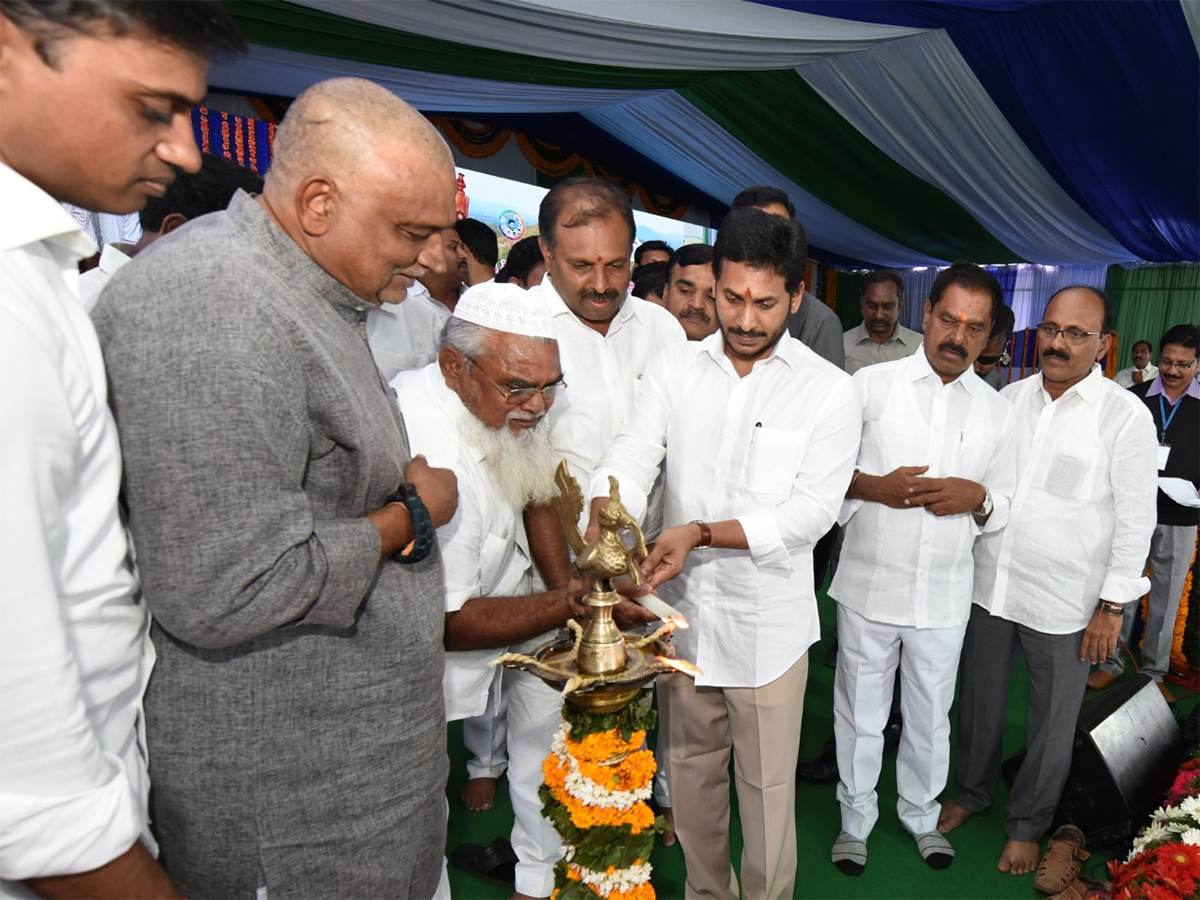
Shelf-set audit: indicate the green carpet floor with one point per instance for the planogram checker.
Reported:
(895, 870)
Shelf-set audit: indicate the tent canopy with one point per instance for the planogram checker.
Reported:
(906, 133)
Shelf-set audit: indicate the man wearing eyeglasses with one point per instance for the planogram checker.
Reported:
(1173, 398)
(480, 411)
(1054, 583)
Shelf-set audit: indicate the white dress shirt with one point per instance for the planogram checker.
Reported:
(406, 335)
(1124, 378)
(113, 258)
(602, 374)
(774, 450)
(908, 566)
(862, 350)
(484, 549)
(1083, 511)
(75, 654)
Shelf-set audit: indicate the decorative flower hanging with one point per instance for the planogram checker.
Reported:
(598, 779)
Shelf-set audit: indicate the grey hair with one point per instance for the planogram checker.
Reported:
(469, 339)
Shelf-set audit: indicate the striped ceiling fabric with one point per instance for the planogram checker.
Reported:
(906, 133)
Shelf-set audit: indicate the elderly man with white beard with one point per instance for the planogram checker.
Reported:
(480, 411)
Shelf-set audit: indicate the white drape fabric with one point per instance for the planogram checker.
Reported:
(681, 138)
(700, 34)
(285, 73)
(920, 103)
(1037, 284)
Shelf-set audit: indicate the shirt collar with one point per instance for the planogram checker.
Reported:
(32, 215)
(557, 306)
(789, 350)
(900, 333)
(1156, 388)
(916, 367)
(1090, 388)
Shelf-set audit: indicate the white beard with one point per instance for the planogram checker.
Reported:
(520, 465)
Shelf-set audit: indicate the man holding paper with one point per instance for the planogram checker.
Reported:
(1173, 399)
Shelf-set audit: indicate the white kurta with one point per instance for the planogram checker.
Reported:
(406, 335)
(75, 655)
(484, 549)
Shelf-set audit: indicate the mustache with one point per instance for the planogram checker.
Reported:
(956, 349)
(1057, 354)
(748, 334)
(608, 296)
(692, 312)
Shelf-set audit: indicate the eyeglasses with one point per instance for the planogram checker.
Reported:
(1174, 364)
(1048, 333)
(517, 396)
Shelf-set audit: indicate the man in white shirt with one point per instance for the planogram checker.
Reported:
(480, 410)
(1142, 370)
(96, 102)
(605, 338)
(689, 290)
(759, 437)
(935, 467)
(880, 337)
(445, 283)
(405, 334)
(190, 195)
(1053, 584)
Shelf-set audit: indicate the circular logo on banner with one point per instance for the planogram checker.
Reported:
(512, 226)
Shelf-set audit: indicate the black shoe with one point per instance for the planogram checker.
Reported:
(830, 657)
(891, 733)
(497, 862)
(822, 769)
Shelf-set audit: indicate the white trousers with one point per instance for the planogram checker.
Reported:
(868, 654)
(534, 711)
(486, 734)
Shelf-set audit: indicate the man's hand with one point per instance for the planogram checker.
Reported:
(670, 553)
(1100, 637)
(628, 614)
(946, 496)
(891, 489)
(1138, 378)
(438, 489)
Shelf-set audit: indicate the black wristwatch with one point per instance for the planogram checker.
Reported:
(422, 524)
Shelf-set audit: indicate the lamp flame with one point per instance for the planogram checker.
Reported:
(680, 665)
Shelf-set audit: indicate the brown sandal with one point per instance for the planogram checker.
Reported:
(1059, 867)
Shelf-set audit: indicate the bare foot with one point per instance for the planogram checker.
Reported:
(668, 836)
(478, 794)
(1018, 858)
(951, 816)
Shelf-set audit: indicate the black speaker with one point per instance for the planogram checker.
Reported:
(1127, 747)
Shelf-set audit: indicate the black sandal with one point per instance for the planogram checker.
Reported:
(497, 862)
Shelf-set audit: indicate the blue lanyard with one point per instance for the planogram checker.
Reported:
(1164, 418)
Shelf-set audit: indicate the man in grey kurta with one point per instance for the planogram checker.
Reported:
(295, 719)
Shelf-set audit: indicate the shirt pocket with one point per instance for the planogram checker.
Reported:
(499, 574)
(1071, 472)
(772, 462)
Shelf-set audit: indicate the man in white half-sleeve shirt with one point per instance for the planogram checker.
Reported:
(1142, 370)
(759, 437)
(480, 410)
(1053, 584)
(605, 337)
(96, 101)
(936, 466)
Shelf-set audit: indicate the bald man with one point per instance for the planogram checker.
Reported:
(284, 533)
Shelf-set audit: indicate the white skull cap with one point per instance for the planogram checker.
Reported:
(507, 308)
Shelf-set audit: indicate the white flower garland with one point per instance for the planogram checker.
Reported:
(583, 788)
(622, 880)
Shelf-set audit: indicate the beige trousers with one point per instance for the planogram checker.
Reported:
(761, 727)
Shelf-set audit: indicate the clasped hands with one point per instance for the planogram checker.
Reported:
(904, 488)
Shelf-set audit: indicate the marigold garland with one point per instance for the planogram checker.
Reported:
(595, 794)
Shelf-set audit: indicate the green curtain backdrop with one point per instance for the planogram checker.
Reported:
(849, 306)
(1149, 301)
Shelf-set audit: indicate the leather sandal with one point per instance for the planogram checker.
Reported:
(1060, 865)
(1076, 890)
